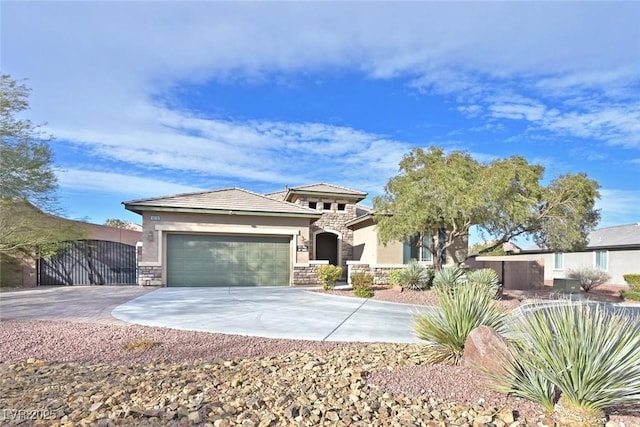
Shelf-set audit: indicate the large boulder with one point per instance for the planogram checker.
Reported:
(484, 352)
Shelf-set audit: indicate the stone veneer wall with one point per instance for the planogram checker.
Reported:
(150, 276)
(380, 274)
(305, 275)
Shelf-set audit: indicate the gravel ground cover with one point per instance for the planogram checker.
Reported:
(76, 374)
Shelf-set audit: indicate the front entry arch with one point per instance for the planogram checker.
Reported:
(326, 245)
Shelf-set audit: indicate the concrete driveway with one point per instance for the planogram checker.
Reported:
(73, 303)
(273, 312)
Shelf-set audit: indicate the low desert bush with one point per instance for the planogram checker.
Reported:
(329, 275)
(630, 294)
(585, 352)
(362, 283)
(589, 277)
(395, 277)
(445, 330)
(633, 280)
(415, 277)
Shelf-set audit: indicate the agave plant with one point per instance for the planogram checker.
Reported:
(445, 330)
(590, 355)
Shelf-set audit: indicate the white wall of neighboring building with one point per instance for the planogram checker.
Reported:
(619, 263)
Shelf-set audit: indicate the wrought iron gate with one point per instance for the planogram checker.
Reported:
(90, 262)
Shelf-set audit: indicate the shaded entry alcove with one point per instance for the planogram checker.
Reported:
(327, 247)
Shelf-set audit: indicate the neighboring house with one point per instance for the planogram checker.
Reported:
(237, 237)
(615, 250)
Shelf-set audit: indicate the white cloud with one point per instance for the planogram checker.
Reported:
(119, 184)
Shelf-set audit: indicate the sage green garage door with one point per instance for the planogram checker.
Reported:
(219, 260)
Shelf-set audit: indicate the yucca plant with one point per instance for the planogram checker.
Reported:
(445, 330)
(415, 277)
(592, 356)
(448, 278)
(486, 277)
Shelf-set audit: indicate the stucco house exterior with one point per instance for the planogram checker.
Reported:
(233, 236)
(615, 250)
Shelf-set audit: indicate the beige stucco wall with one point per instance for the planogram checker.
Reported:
(619, 263)
(365, 243)
(154, 234)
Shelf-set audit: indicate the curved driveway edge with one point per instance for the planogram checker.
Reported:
(273, 312)
(67, 303)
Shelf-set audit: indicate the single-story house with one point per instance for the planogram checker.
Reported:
(238, 237)
(615, 250)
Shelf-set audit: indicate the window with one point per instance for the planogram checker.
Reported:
(418, 250)
(313, 205)
(326, 206)
(601, 260)
(342, 206)
(558, 261)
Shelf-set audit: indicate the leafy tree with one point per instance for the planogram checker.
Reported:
(444, 195)
(26, 171)
(27, 181)
(118, 223)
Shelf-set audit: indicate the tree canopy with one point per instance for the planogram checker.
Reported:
(27, 180)
(444, 195)
(26, 171)
(118, 223)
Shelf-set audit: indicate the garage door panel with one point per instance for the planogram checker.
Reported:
(219, 260)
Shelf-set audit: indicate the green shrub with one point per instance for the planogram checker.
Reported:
(328, 275)
(589, 277)
(630, 294)
(395, 277)
(633, 280)
(445, 330)
(589, 354)
(363, 292)
(362, 283)
(416, 277)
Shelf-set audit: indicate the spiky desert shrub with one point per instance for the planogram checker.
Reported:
(416, 277)
(486, 277)
(589, 277)
(449, 279)
(590, 355)
(633, 280)
(445, 330)
(362, 283)
(328, 275)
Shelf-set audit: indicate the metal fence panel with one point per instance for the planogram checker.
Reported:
(90, 262)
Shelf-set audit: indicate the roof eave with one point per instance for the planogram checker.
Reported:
(357, 196)
(139, 209)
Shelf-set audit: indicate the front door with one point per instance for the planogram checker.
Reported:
(327, 247)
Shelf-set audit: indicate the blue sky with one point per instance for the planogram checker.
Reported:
(155, 98)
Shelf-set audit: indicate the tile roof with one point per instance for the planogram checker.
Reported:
(620, 235)
(327, 188)
(227, 199)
